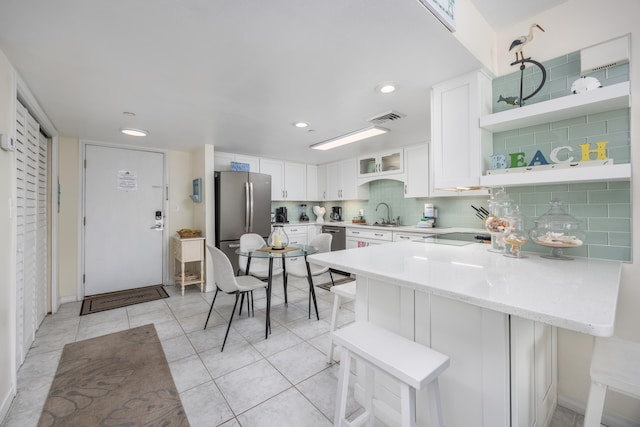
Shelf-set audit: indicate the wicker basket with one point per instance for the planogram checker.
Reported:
(187, 235)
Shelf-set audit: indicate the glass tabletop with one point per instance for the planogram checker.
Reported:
(288, 252)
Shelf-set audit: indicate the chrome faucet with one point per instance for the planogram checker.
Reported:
(388, 221)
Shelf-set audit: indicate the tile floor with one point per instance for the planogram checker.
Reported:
(282, 381)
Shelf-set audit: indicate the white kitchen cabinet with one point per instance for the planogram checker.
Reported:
(362, 237)
(288, 180)
(312, 183)
(505, 364)
(222, 161)
(322, 183)
(607, 98)
(416, 169)
(459, 147)
(404, 235)
(342, 182)
(382, 165)
(297, 235)
(312, 231)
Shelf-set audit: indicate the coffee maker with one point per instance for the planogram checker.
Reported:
(336, 214)
(281, 215)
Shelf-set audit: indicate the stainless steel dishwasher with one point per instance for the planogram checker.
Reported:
(339, 241)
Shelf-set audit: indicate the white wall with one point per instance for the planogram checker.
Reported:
(7, 244)
(68, 219)
(203, 214)
(570, 27)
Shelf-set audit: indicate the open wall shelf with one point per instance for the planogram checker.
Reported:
(608, 98)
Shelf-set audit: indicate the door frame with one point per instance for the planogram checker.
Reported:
(82, 207)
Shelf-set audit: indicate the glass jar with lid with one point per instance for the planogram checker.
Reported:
(278, 239)
(557, 230)
(500, 206)
(516, 234)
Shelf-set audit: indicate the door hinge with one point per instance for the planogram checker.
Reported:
(83, 279)
(85, 163)
(84, 221)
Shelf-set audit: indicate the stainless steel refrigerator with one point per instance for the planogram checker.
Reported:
(243, 205)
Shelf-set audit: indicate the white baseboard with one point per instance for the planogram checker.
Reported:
(64, 300)
(608, 419)
(6, 403)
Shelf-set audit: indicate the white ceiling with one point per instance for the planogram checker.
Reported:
(237, 73)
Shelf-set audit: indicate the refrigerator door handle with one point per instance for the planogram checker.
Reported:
(251, 207)
(247, 197)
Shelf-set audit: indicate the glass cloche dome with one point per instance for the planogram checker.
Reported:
(557, 230)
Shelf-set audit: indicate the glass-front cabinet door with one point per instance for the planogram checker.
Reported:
(382, 163)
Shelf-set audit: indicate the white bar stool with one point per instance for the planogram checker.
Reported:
(615, 365)
(414, 365)
(341, 292)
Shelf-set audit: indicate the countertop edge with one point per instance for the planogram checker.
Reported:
(604, 328)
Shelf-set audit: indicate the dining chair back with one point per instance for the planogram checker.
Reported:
(228, 283)
(322, 242)
(259, 267)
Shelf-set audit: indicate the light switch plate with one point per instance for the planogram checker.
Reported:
(7, 143)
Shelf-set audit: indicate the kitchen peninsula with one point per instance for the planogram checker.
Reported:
(496, 317)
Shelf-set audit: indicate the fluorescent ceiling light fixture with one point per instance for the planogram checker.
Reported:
(301, 124)
(134, 132)
(350, 137)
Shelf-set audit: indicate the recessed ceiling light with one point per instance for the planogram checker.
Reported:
(386, 87)
(301, 124)
(134, 132)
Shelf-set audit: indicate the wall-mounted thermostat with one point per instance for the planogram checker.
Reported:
(7, 143)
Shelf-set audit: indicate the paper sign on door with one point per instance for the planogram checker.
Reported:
(127, 180)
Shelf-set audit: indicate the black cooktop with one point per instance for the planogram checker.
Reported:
(465, 237)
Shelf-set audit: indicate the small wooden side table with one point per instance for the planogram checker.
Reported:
(185, 251)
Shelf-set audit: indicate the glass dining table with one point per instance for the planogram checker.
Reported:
(293, 251)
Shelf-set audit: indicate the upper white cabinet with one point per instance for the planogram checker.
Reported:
(312, 183)
(385, 164)
(288, 180)
(608, 98)
(458, 145)
(342, 181)
(416, 168)
(322, 183)
(222, 161)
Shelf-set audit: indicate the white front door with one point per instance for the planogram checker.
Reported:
(123, 248)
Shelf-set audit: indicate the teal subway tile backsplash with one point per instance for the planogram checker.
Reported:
(604, 208)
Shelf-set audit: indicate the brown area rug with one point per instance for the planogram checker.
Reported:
(111, 300)
(120, 379)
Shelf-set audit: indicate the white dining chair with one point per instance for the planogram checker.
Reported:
(259, 267)
(228, 283)
(322, 242)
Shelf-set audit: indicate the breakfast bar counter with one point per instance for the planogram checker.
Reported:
(496, 318)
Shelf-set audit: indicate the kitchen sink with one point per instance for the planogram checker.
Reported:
(377, 224)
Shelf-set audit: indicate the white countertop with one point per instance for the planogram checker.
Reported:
(580, 295)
